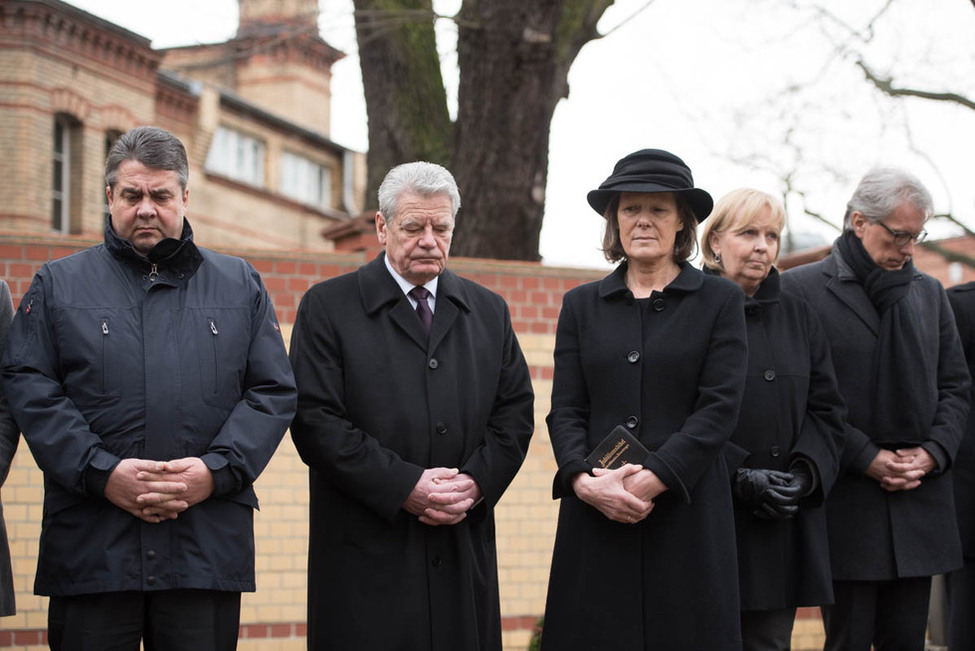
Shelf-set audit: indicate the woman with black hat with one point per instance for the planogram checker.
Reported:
(785, 450)
(644, 554)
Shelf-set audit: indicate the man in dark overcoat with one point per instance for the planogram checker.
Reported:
(415, 410)
(901, 370)
(961, 582)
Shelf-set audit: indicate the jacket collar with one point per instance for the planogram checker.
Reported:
(843, 283)
(181, 257)
(378, 290)
(688, 280)
(767, 293)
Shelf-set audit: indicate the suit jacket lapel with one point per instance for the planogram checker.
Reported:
(842, 285)
(377, 290)
(451, 300)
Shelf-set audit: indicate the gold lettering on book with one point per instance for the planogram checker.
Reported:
(615, 453)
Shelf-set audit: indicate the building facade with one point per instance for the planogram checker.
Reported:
(253, 113)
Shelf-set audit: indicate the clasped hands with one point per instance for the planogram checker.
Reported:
(901, 470)
(771, 494)
(625, 494)
(154, 491)
(442, 496)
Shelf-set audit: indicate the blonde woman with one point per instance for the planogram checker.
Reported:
(784, 451)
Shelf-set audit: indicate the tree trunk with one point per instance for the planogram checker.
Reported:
(514, 58)
(405, 97)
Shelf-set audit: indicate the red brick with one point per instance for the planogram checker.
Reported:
(33, 252)
(11, 252)
(518, 297)
(275, 284)
(540, 328)
(281, 630)
(285, 267)
(551, 282)
(530, 282)
(538, 298)
(308, 269)
(509, 281)
(263, 266)
(328, 271)
(299, 285)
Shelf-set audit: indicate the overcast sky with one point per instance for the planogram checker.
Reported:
(713, 81)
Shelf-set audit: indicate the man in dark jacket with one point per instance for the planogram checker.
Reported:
(414, 414)
(901, 371)
(152, 386)
(961, 582)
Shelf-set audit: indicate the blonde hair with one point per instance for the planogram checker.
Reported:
(736, 209)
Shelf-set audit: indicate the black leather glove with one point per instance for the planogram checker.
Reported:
(767, 492)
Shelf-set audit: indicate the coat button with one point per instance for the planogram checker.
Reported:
(751, 311)
(633, 357)
(151, 580)
(775, 451)
(658, 304)
(441, 428)
(632, 422)
(433, 363)
(151, 555)
(436, 562)
(769, 375)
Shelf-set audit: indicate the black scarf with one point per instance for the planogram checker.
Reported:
(899, 369)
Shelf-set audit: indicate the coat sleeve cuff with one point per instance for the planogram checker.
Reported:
(864, 457)
(99, 469)
(225, 481)
(939, 454)
(562, 486)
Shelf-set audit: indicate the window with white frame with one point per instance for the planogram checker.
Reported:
(237, 156)
(305, 180)
(61, 181)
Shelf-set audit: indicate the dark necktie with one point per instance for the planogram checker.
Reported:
(420, 295)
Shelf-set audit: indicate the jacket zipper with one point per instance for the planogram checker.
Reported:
(104, 352)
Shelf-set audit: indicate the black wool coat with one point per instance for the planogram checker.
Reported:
(962, 299)
(671, 368)
(377, 404)
(874, 534)
(791, 410)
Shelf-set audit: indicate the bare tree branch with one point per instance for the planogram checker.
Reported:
(887, 86)
(634, 15)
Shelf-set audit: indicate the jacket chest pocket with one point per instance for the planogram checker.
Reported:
(223, 341)
(98, 358)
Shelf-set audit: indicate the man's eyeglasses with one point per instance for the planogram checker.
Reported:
(903, 237)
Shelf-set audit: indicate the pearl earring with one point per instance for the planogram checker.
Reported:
(717, 258)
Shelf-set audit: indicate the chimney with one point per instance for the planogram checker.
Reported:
(261, 17)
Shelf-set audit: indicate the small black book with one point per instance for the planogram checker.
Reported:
(618, 448)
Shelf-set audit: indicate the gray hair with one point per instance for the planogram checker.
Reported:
(421, 178)
(881, 190)
(153, 147)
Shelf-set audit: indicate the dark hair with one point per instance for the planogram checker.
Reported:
(685, 241)
(153, 147)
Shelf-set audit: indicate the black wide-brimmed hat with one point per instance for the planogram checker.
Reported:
(652, 170)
